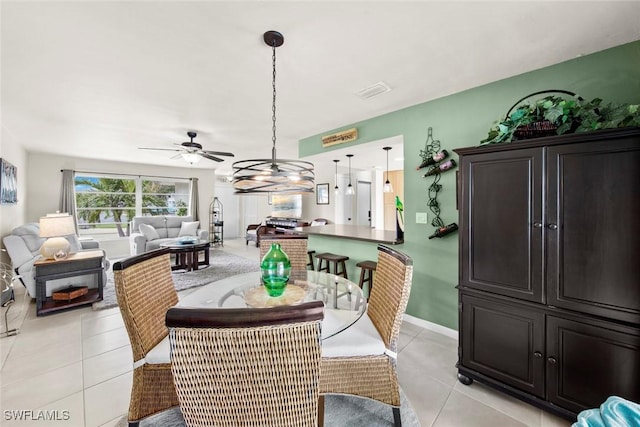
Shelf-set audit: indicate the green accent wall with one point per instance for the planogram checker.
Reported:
(462, 120)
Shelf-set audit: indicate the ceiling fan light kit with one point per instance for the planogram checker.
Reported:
(190, 157)
(192, 151)
(259, 176)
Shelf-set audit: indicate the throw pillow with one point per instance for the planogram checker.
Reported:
(149, 232)
(189, 228)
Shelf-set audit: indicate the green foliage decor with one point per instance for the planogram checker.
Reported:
(567, 116)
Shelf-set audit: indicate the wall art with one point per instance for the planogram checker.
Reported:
(8, 183)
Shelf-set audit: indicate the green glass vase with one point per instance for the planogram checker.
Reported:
(276, 268)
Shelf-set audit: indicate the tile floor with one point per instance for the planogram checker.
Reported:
(80, 361)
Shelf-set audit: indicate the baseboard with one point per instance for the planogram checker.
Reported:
(451, 333)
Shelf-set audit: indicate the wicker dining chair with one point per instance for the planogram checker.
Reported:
(361, 361)
(294, 245)
(145, 291)
(245, 366)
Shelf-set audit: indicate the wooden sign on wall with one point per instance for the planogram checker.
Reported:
(348, 135)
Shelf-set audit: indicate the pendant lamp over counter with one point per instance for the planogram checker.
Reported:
(336, 189)
(261, 176)
(350, 191)
(387, 185)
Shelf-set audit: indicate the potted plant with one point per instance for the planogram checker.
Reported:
(553, 115)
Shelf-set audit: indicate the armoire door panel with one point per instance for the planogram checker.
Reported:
(504, 342)
(592, 362)
(594, 198)
(504, 205)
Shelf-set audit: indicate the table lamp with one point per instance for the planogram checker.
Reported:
(55, 226)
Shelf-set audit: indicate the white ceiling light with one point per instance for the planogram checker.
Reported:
(191, 157)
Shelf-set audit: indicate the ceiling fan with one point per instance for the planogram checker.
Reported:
(192, 151)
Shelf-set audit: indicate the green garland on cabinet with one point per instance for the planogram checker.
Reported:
(555, 115)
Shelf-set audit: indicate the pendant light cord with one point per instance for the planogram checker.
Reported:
(273, 105)
(387, 165)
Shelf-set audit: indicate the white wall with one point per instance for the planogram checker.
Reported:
(325, 173)
(44, 180)
(12, 216)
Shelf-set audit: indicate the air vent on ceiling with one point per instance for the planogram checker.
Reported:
(373, 90)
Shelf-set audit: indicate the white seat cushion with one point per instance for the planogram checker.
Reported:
(252, 231)
(360, 339)
(160, 353)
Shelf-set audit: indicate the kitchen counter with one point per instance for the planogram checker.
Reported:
(353, 232)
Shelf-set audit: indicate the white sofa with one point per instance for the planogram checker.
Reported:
(163, 228)
(23, 246)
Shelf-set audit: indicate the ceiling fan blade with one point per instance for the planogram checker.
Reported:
(210, 157)
(217, 153)
(159, 149)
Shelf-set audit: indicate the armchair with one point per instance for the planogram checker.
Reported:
(23, 246)
(253, 233)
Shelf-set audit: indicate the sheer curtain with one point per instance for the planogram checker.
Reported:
(67, 196)
(194, 204)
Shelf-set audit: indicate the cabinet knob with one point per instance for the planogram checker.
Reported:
(537, 225)
(537, 355)
(552, 226)
(551, 360)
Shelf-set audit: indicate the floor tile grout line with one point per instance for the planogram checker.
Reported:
(442, 407)
(498, 409)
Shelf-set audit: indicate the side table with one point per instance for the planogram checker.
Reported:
(77, 264)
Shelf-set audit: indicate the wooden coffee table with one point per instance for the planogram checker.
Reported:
(187, 254)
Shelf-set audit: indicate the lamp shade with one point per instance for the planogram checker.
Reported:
(55, 227)
(191, 157)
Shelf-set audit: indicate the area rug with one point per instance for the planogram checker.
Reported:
(339, 411)
(221, 264)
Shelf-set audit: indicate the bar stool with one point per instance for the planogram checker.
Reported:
(332, 259)
(310, 263)
(366, 274)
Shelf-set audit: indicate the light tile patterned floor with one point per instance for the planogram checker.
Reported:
(80, 361)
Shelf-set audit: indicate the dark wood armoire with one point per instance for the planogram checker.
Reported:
(549, 292)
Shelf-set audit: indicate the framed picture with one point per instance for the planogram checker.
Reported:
(8, 183)
(269, 198)
(322, 194)
(286, 206)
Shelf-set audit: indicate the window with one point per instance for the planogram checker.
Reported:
(164, 197)
(107, 203)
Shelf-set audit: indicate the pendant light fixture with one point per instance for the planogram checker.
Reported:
(350, 191)
(336, 189)
(260, 176)
(387, 185)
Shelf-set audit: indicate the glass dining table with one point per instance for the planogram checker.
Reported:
(344, 301)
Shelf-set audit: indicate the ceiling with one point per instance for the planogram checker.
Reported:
(100, 79)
